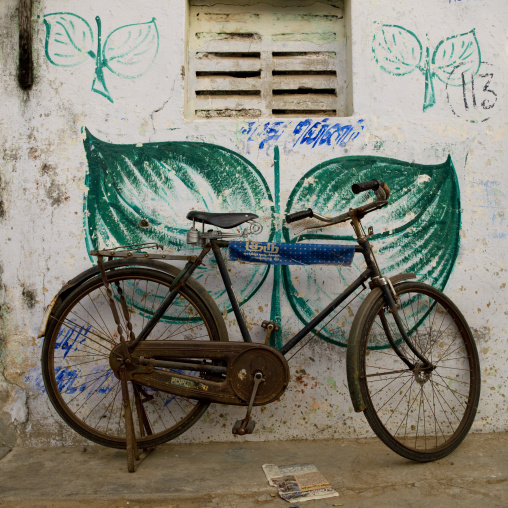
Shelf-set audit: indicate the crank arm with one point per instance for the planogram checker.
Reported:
(258, 379)
(246, 426)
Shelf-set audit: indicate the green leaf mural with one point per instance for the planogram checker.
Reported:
(143, 192)
(398, 51)
(460, 51)
(128, 51)
(417, 232)
(69, 39)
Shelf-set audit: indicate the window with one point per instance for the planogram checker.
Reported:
(252, 58)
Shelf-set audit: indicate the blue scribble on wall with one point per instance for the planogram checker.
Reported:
(128, 51)
(71, 381)
(309, 132)
(265, 135)
(66, 341)
(313, 133)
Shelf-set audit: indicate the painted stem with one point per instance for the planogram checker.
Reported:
(275, 314)
(430, 96)
(99, 83)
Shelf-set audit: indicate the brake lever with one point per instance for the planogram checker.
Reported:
(346, 216)
(321, 226)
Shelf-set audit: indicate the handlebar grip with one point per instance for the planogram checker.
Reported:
(305, 214)
(365, 186)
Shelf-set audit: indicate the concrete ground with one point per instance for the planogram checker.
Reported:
(222, 475)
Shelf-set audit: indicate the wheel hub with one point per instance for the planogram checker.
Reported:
(422, 373)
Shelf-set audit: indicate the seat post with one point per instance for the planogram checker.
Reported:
(229, 289)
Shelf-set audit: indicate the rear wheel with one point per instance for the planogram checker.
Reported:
(421, 414)
(75, 357)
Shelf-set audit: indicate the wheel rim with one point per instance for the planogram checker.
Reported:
(425, 410)
(82, 382)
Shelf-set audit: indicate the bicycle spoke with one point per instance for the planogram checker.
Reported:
(386, 385)
(436, 422)
(105, 395)
(111, 405)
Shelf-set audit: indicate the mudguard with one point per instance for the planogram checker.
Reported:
(353, 345)
(143, 263)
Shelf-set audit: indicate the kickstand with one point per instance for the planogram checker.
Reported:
(133, 456)
(144, 424)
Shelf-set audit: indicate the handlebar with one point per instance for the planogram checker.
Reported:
(382, 193)
(305, 214)
(365, 186)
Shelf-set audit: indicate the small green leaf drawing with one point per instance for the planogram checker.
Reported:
(69, 39)
(423, 217)
(130, 50)
(460, 50)
(397, 50)
(142, 193)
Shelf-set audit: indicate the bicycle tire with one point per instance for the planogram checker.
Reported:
(421, 416)
(75, 356)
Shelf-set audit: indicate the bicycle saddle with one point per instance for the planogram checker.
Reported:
(221, 220)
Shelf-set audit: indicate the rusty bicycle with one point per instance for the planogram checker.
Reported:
(136, 349)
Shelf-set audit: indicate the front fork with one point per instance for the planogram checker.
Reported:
(391, 300)
(393, 310)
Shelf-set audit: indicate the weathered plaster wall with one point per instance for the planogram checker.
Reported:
(43, 167)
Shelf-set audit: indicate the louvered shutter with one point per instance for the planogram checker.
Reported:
(273, 58)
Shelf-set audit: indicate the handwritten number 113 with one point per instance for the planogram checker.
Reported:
(486, 103)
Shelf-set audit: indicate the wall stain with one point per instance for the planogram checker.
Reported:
(29, 297)
(55, 192)
(2, 204)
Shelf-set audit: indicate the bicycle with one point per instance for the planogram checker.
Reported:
(135, 349)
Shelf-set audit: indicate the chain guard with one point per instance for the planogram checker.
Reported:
(242, 359)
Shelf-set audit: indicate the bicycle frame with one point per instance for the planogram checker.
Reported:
(372, 272)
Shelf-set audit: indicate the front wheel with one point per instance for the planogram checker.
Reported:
(81, 335)
(422, 414)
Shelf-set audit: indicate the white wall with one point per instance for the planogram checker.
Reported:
(42, 189)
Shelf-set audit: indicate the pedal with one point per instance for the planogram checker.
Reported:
(243, 427)
(246, 426)
(270, 327)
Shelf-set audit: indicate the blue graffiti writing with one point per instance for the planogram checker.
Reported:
(99, 379)
(309, 132)
(266, 135)
(312, 133)
(67, 338)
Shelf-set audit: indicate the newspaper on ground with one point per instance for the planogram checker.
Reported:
(299, 482)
